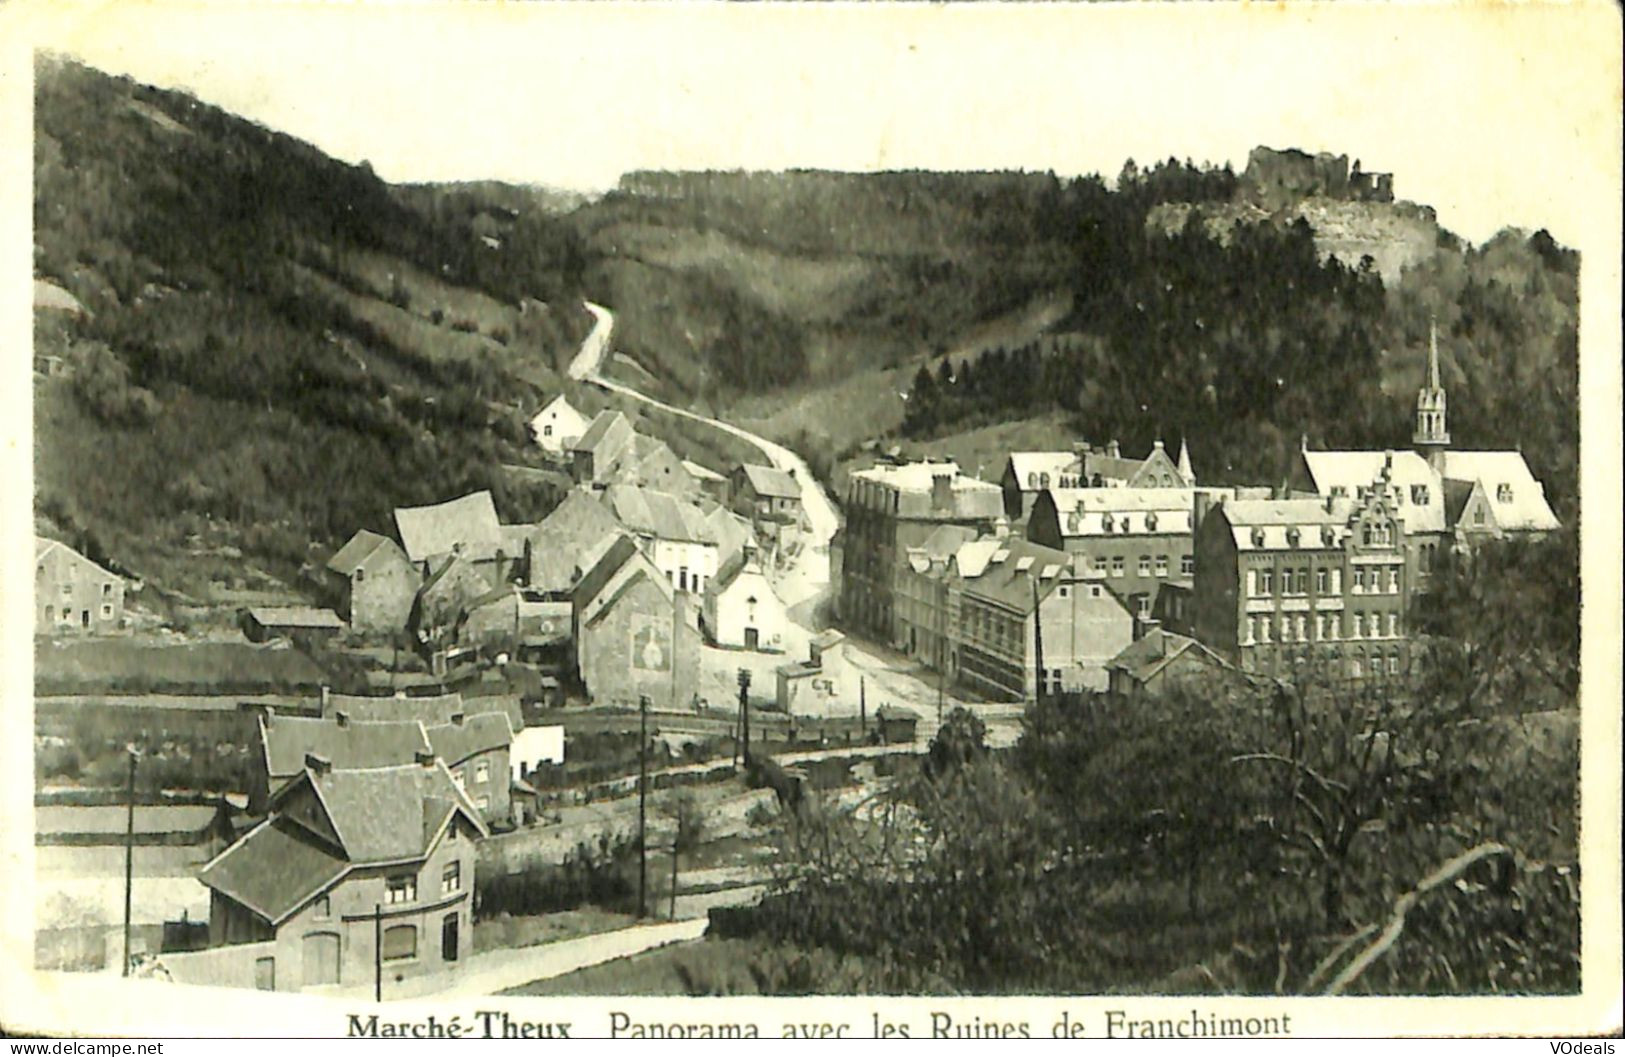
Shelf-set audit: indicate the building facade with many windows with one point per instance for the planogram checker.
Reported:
(1281, 583)
(1135, 539)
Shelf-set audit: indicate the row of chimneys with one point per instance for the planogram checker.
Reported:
(316, 763)
(1111, 450)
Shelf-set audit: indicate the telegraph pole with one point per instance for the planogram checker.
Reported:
(643, 803)
(744, 714)
(1038, 646)
(378, 951)
(129, 857)
(863, 710)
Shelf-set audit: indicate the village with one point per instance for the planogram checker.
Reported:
(658, 667)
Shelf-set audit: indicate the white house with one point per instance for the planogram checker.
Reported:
(741, 608)
(673, 533)
(557, 425)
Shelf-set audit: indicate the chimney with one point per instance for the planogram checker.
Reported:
(270, 715)
(1080, 448)
(327, 694)
(1203, 506)
(1329, 501)
(457, 719)
(1112, 450)
(424, 758)
(1001, 527)
(942, 491)
(343, 718)
(316, 763)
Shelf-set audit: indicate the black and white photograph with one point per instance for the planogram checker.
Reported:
(995, 520)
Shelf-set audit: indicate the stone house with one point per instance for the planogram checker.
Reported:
(350, 866)
(441, 601)
(634, 633)
(465, 527)
(344, 742)
(374, 583)
(475, 749)
(1135, 539)
(596, 454)
(73, 593)
(557, 547)
(673, 533)
(765, 493)
(1028, 474)
(1160, 661)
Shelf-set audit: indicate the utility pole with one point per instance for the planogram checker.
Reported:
(1038, 646)
(643, 803)
(863, 710)
(676, 839)
(377, 952)
(129, 857)
(942, 677)
(744, 715)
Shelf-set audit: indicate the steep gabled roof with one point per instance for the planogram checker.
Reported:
(565, 537)
(1028, 465)
(468, 522)
(1352, 471)
(362, 546)
(274, 869)
(770, 482)
(1145, 657)
(608, 435)
(43, 546)
(456, 742)
(1010, 581)
(622, 550)
(389, 814)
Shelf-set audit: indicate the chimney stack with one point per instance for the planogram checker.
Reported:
(1329, 501)
(424, 758)
(270, 715)
(942, 491)
(1001, 527)
(327, 694)
(343, 718)
(316, 763)
(1113, 451)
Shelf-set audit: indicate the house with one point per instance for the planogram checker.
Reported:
(1030, 623)
(635, 634)
(890, 508)
(1419, 492)
(1160, 661)
(741, 608)
(299, 623)
(73, 593)
(1292, 582)
(674, 534)
(557, 546)
(765, 493)
(896, 725)
(442, 600)
(375, 583)
(1136, 539)
(475, 748)
(512, 617)
(346, 743)
(594, 456)
(1492, 495)
(1028, 474)
(351, 866)
(464, 527)
(557, 426)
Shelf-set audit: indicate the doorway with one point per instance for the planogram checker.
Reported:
(321, 961)
(752, 638)
(448, 938)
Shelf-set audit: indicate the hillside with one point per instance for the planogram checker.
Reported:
(274, 348)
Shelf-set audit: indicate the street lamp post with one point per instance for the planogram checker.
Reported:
(129, 855)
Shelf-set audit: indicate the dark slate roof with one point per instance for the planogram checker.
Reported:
(564, 538)
(358, 743)
(610, 431)
(469, 521)
(362, 545)
(436, 708)
(456, 742)
(770, 481)
(1010, 581)
(389, 814)
(274, 869)
(610, 562)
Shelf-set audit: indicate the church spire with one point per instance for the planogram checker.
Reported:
(1185, 470)
(1432, 435)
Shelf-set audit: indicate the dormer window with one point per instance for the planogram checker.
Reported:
(1419, 495)
(1503, 493)
(1106, 522)
(1327, 535)
(1293, 536)
(1258, 537)
(1151, 522)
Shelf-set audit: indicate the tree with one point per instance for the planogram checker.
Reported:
(961, 740)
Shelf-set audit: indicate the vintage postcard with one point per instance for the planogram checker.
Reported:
(914, 521)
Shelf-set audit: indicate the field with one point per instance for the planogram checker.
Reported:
(124, 666)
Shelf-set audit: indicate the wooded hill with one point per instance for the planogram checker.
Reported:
(277, 348)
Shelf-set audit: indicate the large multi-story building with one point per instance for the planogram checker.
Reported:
(1285, 582)
(1135, 539)
(1029, 474)
(890, 509)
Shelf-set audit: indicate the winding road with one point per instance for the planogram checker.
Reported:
(811, 573)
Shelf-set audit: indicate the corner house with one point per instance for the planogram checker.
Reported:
(295, 899)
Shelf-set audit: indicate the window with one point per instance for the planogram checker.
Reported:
(1393, 580)
(1359, 581)
(547, 430)
(1144, 604)
(1094, 590)
(1419, 494)
(107, 611)
(107, 590)
(483, 803)
(1393, 625)
(1263, 629)
(1478, 519)
(1145, 565)
(1065, 592)
(1187, 565)
(451, 831)
(360, 575)
(1118, 566)
(1503, 493)
(1293, 536)
(460, 776)
(1303, 627)
(1323, 580)
(482, 771)
(1162, 565)
(402, 889)
(67, 590)
(1266, 582)
(451, 879)
(400, 943)
(322, 908)
(1286, 629)
(1375, 625)
(1287, 581)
